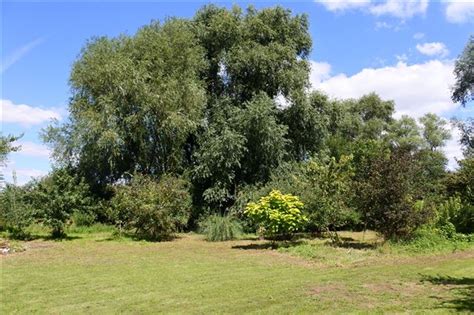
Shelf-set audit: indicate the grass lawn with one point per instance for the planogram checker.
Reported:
(91, 273)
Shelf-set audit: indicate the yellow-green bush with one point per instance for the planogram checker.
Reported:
(277, 215)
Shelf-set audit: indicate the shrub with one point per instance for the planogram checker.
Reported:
(446, 213)
(57, 196)
(220, 228)
(15, 210)
(154, 210)
(277, 214)
(83, 219)
(452, 216)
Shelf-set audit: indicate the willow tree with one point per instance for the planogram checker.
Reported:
(135, 101)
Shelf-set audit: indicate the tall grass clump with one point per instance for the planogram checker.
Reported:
(217, 228)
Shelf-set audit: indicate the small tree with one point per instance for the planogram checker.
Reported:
(57, 196)
(277, 214)
(389, 194)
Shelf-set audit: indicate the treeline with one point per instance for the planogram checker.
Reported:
(193, 118)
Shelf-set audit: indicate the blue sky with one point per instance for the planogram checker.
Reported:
(402, 50)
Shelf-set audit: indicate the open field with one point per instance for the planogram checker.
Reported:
(92, 273)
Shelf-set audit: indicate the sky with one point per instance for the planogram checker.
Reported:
(402, 50)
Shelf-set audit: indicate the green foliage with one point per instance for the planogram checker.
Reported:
(405, 133)
(447, 213)
(463, 90)
(429, 240)
(256, 51)
(308, 122)
(467, 135)
(83, 219)
(277, 214)
(201, 97)
(6, 146)
(16, 212)
(330, 187)
(136, 99)
(154, 210)
(460, 184)
(434, 131)
(321, 183)
(217, 228)
(358, 121)
(265, 139)
(218, 159)
(240, 145)
(389, 195)
(57, 196)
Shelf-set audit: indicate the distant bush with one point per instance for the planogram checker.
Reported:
(428, 239)
(83, 219)
(220, 228)
(277, 215)
(452, 216)
(460, 185)
(155, 210)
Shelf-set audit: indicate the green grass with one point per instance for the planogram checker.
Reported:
(95, 273)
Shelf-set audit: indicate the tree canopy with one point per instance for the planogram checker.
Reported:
(463, 90)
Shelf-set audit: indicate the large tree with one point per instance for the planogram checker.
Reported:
(253, 52)
(135, 101)
(463, 90)
(191, 96)
(435, 132)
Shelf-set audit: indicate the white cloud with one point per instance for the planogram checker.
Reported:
(400, 9)
(416, 89)
(460, 11)
(25, 114)
(396, 8)
(14, 57)
(402, 58)
(319, 71)
(453, 150)
(384, 25)
(32, 149)
(433, 49)
(23, 175)
(418, 35)
(342, 5)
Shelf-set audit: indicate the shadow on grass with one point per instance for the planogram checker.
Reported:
(463, 289)
(269, 245)
(138, 238)
(355, 245)
(42, 237)
(60, 239)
